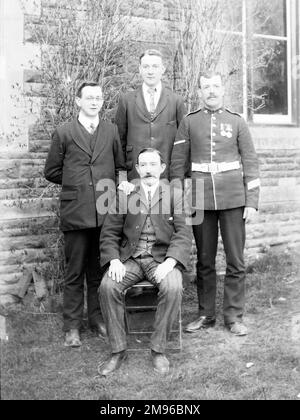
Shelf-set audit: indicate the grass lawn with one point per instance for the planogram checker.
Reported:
(213, 364)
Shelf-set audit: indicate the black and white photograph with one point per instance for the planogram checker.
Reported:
(150, 203)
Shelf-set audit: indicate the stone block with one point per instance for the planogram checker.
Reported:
(25, 256)
(32, 76)
(29, 241)
(277, 194)
(23, 208)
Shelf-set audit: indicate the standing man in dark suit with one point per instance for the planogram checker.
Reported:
(215, 145)
(150, 115)
(83, 152)
(148, 238)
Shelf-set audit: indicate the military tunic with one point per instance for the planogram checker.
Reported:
(214, 138)
(216, 147)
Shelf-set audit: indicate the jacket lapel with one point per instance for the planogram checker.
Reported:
(100, 142)
(79, 138)
(141, 193)
(141, 105)
(163, 101)
(161, 194)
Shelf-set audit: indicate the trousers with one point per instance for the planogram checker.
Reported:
(232, 227)
(82, 261)
(111, 295)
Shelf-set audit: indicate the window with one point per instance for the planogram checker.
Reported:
(259, 59)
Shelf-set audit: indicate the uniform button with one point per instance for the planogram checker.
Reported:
(214, 134)
(214, 143)
(214, 125)
(213, 153)
(152, 138)
(90, 183)
(220, 111)
(137, 227)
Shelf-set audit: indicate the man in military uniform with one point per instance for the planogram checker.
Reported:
(214, 144)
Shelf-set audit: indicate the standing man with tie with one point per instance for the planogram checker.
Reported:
(150, 115)
(214, 145)
(83, 152)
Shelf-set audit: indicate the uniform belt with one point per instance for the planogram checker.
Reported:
(215, 167)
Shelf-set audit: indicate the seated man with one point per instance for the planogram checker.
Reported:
(152, 241)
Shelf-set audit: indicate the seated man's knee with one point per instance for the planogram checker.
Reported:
(172, 283)
(106, 284)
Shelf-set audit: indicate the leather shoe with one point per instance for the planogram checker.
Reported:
(199, 323)
(100, 329)
(72, 338)
(160, 362)
(237, 328)
(113, 363)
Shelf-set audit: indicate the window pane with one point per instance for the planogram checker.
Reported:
(269, 17)
(232, 68)
(270, 77)
(231, 15)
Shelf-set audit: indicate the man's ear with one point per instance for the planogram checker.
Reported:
(163, 167)
(77, 101)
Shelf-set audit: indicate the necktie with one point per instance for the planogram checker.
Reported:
(92, 128)
(152, 106)
(94, 136)
(149, 199)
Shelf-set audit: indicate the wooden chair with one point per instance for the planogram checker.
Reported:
(140, 307)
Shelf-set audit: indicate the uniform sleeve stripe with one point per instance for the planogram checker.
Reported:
(179, 142)
(253, 184)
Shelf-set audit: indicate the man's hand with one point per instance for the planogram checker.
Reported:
(249, 213)
(127, 187)
(164, 268)
(117, 270)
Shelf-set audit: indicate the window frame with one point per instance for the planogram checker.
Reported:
(278, 119)
(292, 49)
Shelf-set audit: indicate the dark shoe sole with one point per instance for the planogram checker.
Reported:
(74, 346)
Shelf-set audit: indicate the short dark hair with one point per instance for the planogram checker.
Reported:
(151, 52)
(83, 85)
(150, 150)
(209, 74)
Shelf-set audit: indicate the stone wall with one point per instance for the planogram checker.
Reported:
(28, 208)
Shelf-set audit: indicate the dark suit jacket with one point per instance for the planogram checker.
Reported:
(137, 130)
(121, 232)
(72, 164)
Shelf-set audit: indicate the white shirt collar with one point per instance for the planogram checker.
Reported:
(147, 188)
(86, 121)
(158, 88)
